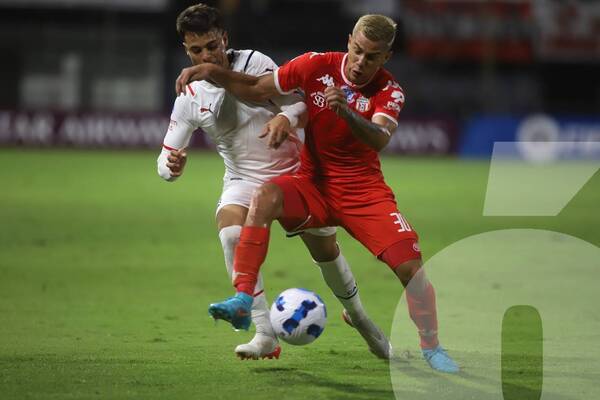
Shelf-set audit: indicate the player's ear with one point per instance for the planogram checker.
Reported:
(225, 40)
(388, 55)
(349, 40)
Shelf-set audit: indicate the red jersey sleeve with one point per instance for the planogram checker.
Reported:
(389, 101)
(293, 74)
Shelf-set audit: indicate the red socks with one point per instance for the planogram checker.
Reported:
(422, 310)
(250, 253)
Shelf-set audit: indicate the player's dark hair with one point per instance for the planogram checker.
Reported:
(199, 19)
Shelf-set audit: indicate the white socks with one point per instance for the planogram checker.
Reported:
(230, 236)
(339, 278)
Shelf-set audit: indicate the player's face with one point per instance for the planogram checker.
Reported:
(207, 48)
(365, 57)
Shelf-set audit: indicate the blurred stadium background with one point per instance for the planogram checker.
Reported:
(100, 72)
(106, 271)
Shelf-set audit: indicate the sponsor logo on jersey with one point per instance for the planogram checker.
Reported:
(318, 99)
(172, 125)
(326, 80)
(392, 106)
(362, 104)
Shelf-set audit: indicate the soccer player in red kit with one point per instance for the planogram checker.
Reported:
(353, 106)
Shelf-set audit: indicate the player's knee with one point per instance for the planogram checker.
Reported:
(328, 253)
(407, 271)
(267, 202)
(230, 236)
(322, 249)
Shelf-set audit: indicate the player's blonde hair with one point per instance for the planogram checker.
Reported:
(377, 28)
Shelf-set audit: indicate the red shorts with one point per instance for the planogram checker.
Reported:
(368, 212)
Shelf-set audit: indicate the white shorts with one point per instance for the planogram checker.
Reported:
(236, 191)
(239, 192)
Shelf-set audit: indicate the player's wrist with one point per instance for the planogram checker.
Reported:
(206, 70)
(293, 120)
(344, 111)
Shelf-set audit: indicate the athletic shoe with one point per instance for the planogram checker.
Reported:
(439, 360)
(261, 346)
(375, 338)
(235, 310)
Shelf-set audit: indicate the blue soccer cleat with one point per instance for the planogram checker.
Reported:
(235, 310)
(439, 360)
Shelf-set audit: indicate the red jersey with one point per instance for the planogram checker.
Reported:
(331, 152)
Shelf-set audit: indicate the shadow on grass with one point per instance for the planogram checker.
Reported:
(475, 381)
(342, 388)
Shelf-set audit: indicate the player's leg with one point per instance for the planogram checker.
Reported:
(266, 205)
(230, 219)
(250, 253)
(382, 229)
(421, 300)
(302, 206)
(324, 249)
(404, 258)
(326, 254)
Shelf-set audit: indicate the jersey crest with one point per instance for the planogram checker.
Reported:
(362, 104)
(350, 94)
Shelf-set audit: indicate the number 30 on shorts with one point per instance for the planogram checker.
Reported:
(404, 226)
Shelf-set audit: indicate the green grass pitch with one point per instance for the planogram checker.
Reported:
(106, 273)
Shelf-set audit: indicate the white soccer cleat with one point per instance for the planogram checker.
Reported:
(261, 346)
(375, 338)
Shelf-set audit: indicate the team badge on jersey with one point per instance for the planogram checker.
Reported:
(362, 104)
(350, 95)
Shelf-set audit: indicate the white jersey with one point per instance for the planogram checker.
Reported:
(233, 125)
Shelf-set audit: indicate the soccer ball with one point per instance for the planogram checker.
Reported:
(298, 316)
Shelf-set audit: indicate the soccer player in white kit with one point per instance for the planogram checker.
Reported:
(257, 142)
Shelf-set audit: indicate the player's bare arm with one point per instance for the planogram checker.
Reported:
(375, 133)
(244, 87)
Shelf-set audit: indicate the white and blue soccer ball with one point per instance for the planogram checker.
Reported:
(298, 316)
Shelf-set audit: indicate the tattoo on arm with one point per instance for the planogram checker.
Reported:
(367, 131)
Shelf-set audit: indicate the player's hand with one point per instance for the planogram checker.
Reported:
(198, 72)
(277, 130)
(176, 162)
(336, 99)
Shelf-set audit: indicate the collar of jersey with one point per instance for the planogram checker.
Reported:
(347, 82)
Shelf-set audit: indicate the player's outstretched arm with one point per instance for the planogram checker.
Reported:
(375, 133)
(245, 87)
